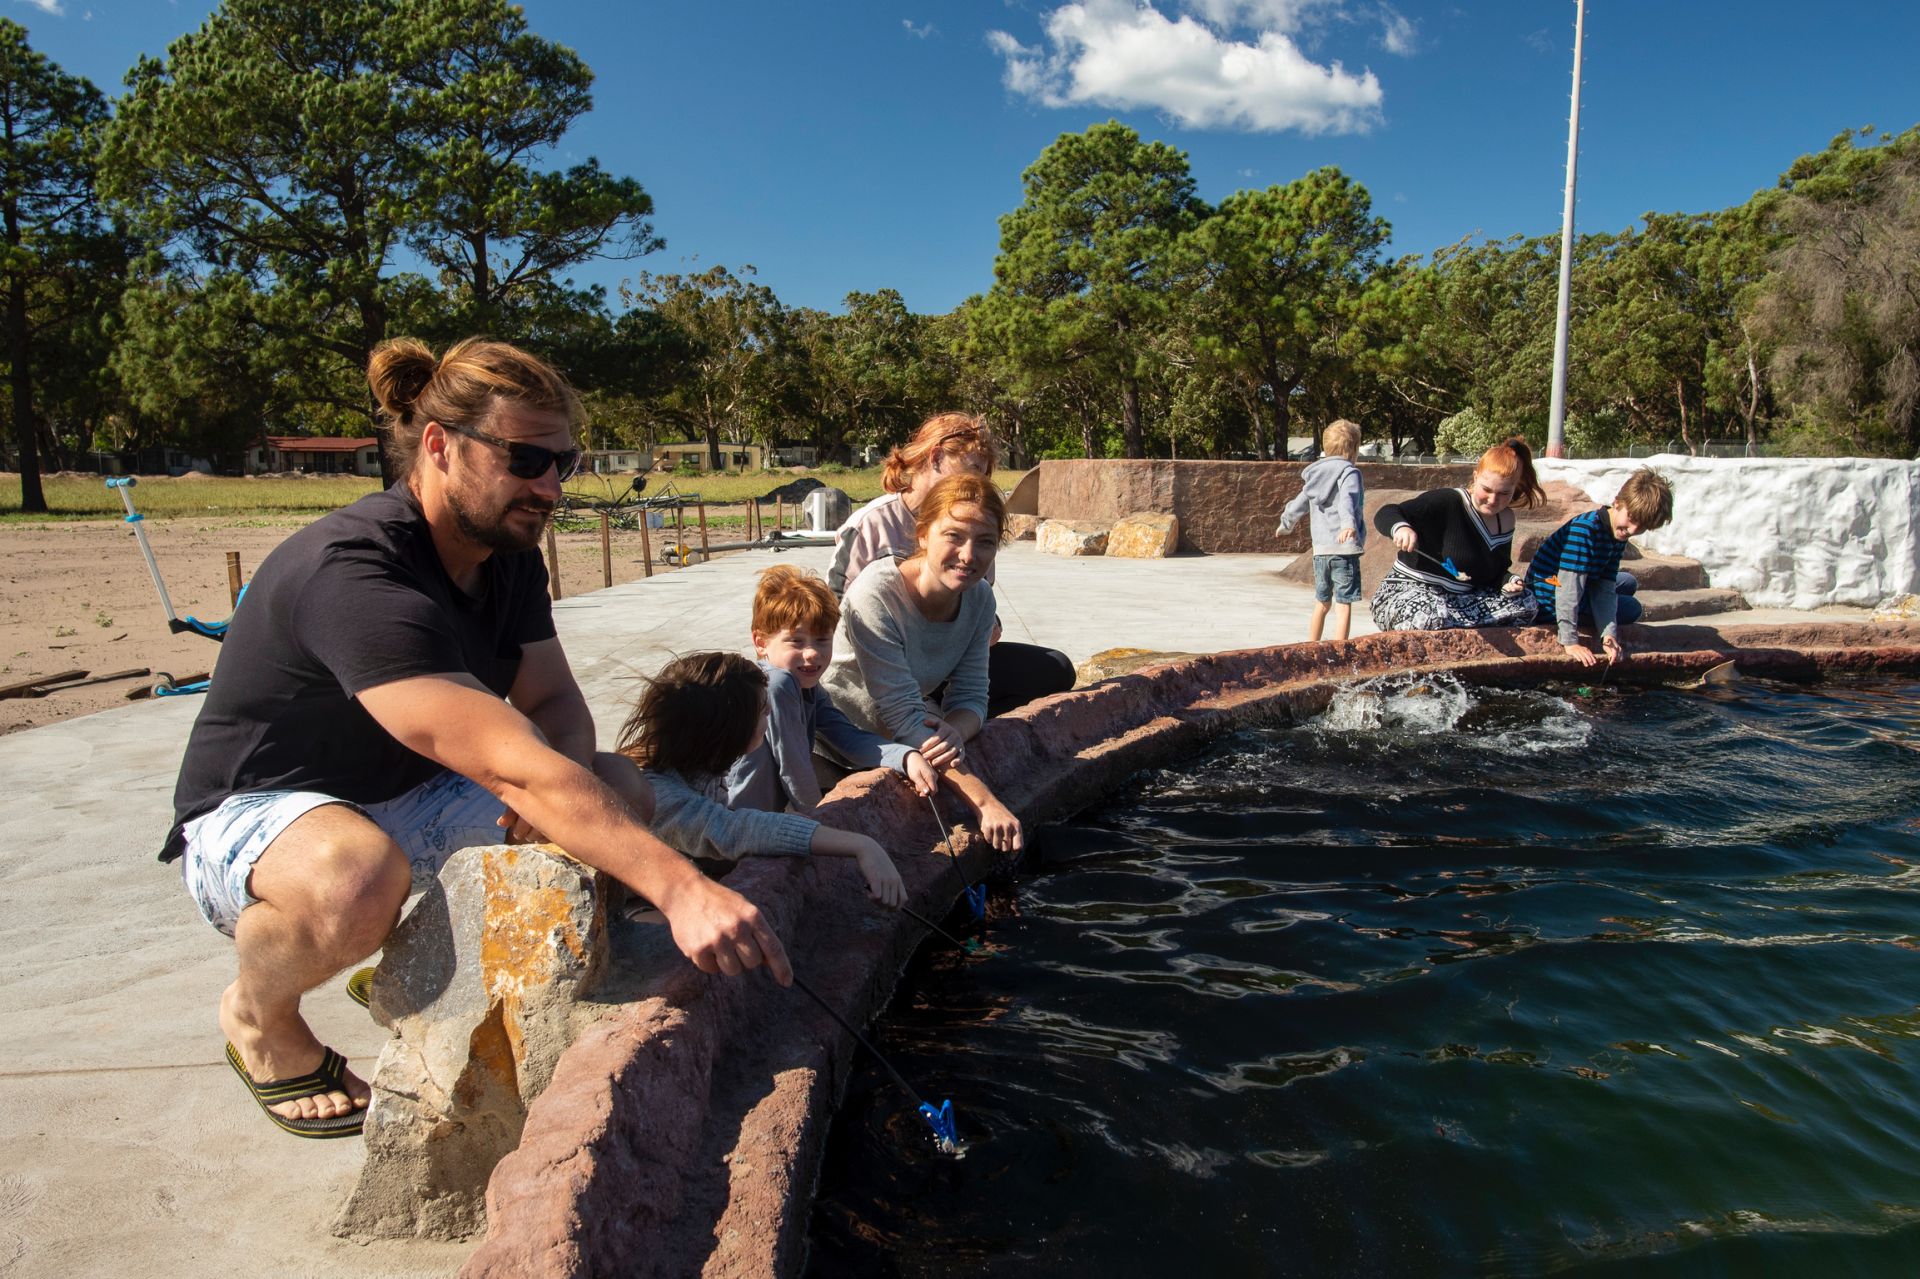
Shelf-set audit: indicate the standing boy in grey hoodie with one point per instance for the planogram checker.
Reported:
(1333, 490)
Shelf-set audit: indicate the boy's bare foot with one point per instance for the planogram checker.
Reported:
(286, 1051)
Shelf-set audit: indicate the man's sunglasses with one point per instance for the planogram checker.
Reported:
(526, 461)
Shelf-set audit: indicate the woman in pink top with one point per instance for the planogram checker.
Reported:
(946, 444)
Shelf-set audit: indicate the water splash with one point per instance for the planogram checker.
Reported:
(1409, 706)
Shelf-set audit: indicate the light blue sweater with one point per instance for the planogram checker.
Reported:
(692, 816)
(779, 771)
(1332, 489)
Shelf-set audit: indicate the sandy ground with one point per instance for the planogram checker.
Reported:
(78, 597)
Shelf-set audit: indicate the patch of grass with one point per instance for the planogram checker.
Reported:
(87, 497)
(270, 500)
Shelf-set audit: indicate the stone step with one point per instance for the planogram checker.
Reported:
(1663, 606)
(1658, 572)
(1667, 573)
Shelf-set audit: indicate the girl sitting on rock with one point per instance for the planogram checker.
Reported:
(946, 444)
(1456, 549)
(910, 658)
(697, 716)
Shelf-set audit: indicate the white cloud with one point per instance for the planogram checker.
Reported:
(53, 7)
(1398, 33)
(919, 32)
(1130, 56)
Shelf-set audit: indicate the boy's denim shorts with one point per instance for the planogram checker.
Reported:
(1336, 579)
(430, 823)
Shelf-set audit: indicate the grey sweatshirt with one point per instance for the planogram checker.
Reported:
(691, 815)
(779, 771)
(888, 657)
(1332, 489)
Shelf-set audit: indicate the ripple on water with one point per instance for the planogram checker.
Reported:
(1441, 980)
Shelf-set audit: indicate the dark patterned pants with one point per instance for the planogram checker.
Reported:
(1402, 604)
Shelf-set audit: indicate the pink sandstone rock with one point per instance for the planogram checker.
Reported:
(679, 1134)
(1223, 506)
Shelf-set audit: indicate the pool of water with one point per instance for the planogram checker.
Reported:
(1442, 981)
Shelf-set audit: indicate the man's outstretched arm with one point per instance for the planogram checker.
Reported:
(545, 692)
(454, 721)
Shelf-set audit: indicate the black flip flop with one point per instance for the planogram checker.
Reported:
(330, 1077)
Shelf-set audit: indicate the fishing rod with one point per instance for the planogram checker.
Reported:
(945, 1138)
(976, 895)
(967, 944)
(1446, 564)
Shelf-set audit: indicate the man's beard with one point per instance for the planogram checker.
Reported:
(493, 532)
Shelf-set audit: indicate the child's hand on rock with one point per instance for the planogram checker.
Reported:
(920, 775)
(883, 878)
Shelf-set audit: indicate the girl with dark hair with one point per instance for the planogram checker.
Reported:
(696, 717)
(1456, 549)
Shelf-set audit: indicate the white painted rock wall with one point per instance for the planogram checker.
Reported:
(1784, 532)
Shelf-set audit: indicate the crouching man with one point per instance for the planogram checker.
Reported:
(391, 690)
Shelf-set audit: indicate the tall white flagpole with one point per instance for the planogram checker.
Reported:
(1557, 418)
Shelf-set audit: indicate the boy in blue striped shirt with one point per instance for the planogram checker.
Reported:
(1576, 577)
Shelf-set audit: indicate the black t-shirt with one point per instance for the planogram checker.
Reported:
(357, 599)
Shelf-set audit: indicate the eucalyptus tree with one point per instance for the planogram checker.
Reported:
(298, 145)
(1092, 256)
(484, 100)
(1282, 272)
(1841, 305)
(60, 255)
(731, 325)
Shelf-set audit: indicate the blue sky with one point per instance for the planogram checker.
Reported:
(859, 146)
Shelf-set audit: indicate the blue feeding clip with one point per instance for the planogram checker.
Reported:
(1448, 565)
(945, 1136)
(975, 894)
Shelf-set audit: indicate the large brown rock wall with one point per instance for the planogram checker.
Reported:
(1222, 506)
(680, 1135)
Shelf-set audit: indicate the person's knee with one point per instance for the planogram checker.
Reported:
(358, 886)
(626, 781)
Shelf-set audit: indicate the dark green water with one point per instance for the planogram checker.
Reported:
(1444, 982)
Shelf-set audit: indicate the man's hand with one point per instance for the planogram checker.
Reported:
(1512, 587)
(1616, 651)
(1582, 654)
(722, 932)
(946, 746)
(883, 879)
(1000, 827)
(1405, 538)
(519, 829)
(1348, 535)
(920, 775)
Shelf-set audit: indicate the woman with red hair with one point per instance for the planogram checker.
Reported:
(947, 444)
(910, 657)
(1456, 550)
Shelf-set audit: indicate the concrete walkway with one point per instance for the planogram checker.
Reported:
(133, 1151)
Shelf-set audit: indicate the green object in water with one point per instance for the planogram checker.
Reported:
(1584, 691)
